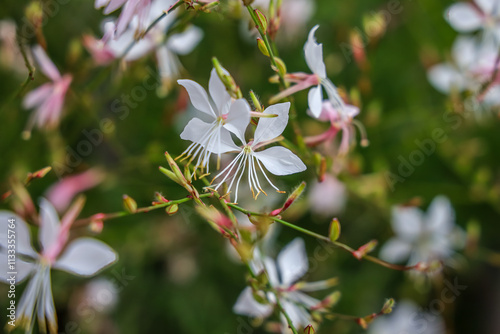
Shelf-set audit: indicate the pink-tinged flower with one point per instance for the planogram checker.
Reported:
(283, 274)
(99, 48)
(48, 99)
(471, 16)
(339, 122)
(82, 257)
(62, 193)
(131, 9)
(407, 318)
(277, 159)
(423, 237)
(224, 117)
(328, 197)
(317, 80)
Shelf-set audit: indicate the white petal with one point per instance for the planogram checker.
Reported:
(238, 118)
(196, 130)
(247, 305)
(38, 96)
(100, 3)
(463, 17)
(218, 92)
(299, 317)
(407, 222)
(280, 161)
(440, 216)
(315, 100)
(198, 96)
(22, 268)
(85, 257)
(184, 42)
(46, 65)
(270, 128)
(49, 224)
(395, 250)
(445, 77)
(488, 6)
(465, 51)
(21, 232)
(272, 271)
(314, 54)
(292, 262)
(492, 96)
(303, 299)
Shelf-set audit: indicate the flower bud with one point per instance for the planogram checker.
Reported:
(365, 249)
(170, 175)
(255, 101)
(334, 231)
(38, 174)
(262, 47)
(289, 201)
(281, 66)
(227, 80)
(129, 204)
(328, 301)
(160, 199)
(388, 305)
(96, 226)
(309, 330)
(262, 21)
(172, 209)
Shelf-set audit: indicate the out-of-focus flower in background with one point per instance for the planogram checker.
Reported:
(423, 237)
(47, 99)
(407, 318)
(328, 197)
(131, 9)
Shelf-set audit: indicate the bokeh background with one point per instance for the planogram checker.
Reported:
(174, 274)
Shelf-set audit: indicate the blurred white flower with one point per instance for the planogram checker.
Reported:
(290, 266)
(423, 237)
(131, 9)
(406, 318)
(471, 16)
(101, 295)
(82, 257)
(328, 197)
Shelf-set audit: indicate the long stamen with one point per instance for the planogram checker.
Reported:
(239, 179)
(229, 168)
(334, 96)
(263, 172)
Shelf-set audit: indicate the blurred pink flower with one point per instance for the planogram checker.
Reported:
(130, 9)
(62, 193)
(99, 49)
(47, 99)
(328, 197)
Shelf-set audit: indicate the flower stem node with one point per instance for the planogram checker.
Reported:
(365, 249)
(129, 204)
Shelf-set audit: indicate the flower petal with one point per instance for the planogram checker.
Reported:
(22, 268)
(49, 224)
(247, 305)
(315, 100)
(440, 216)
(488, 6)
(272, 271)
(280, 161)
(21, 232)
(463, 17)
(85, 257)
(314, 54)
(445, 77)
(238, 118)
(37, 96)
(218, 93)
(407, 222)
(198, 96)
(292, 262)
(184, 42)
(395, 250)
(270, 128)
(46, 65)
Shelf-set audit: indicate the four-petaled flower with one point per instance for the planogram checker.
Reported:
(225, 116)
(423, 237)
(83, 257)
(138, 9)
(48, 99)
(277, 159)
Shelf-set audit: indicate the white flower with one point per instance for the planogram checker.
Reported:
(314, 59)
(82, 257)
(283, 273)
(474, 64)
(277, 160)
(468, 17)
(131, 9)
(224, 115)
(407, 319)
(423, 237)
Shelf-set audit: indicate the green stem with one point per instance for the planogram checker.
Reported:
(288, 320)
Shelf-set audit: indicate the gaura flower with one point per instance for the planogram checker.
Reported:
(339, 122)
(423, 237)
(318, 80)
(224, 115)
(327, 197)
(283, 274)
(482, 14)
(408, 319)
(131, 9)
(82, 257)
(47, 99)
(99, 49)
(277, 159)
